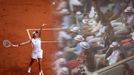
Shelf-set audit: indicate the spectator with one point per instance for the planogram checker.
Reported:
(92, 13)
(63, 37)
(72, 52)
(79, 38)
(129, 11)
(86, 50)
(66, 18)
(63, 71)
(78, 48)
(59, 63)
(119, 6)
(85, 20)
(79, 16)
(75, 30)
(75, 3)
(59, 54)
(62, 5)
(114, 57)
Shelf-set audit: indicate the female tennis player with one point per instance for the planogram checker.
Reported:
(37, 52)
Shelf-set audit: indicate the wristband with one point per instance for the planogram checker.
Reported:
(19, 45)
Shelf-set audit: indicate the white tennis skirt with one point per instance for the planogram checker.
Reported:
(38, 54)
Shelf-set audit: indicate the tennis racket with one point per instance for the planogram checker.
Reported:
(7, 43)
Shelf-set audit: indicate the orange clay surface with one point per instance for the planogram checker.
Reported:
(16, 16)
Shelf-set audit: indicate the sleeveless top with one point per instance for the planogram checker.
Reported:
(36, 43)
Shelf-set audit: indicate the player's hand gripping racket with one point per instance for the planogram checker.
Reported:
(7, 44)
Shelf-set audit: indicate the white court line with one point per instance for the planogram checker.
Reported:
(50, 41)
(48, 29)
(28, 32)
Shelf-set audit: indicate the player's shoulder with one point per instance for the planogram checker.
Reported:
(35, 39)
(39, 38)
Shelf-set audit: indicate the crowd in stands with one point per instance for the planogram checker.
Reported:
(94, 34)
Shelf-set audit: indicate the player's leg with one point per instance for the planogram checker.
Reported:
(40, 56)
(34, 56)
(31, 62)
(30, 65)
(40, 66)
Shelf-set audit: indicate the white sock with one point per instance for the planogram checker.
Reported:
(29, 70)
(41, 73)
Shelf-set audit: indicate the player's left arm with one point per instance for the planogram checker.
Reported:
(41, 30)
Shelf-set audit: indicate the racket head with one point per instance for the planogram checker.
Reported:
(7, 43)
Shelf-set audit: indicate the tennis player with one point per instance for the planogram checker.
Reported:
(37, 52)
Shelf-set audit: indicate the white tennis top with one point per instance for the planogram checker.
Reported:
(36, 44)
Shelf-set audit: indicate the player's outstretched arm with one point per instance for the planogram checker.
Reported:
(24, 43)
(21, 44)
(41, 30)
(15, 45)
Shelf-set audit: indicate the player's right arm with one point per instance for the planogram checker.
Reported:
(24, 43)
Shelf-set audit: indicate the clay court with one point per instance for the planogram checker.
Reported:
(18, 18)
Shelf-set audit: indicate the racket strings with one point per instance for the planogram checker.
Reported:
(7, 43)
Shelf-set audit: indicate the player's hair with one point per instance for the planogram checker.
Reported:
(33, 35)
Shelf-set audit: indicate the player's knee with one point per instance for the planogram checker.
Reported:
(39, 60)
